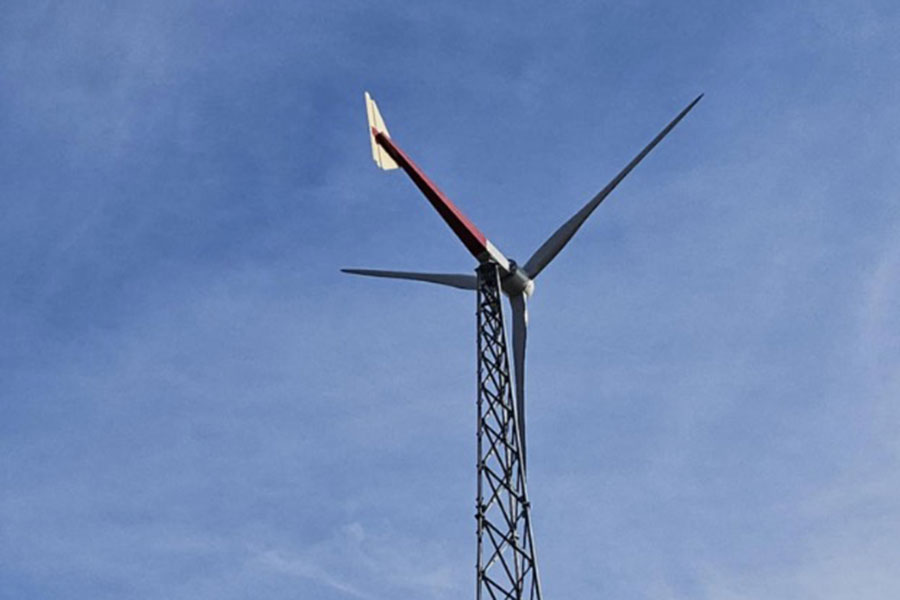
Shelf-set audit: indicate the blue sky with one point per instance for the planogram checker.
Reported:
(195, 403)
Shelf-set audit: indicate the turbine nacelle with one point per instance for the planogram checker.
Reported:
(516, 281)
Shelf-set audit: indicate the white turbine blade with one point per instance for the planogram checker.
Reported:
(556, 242)
(461, 281)
(519, 335)
(376, 125)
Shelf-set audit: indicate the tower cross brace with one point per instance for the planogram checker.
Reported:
(506, 566)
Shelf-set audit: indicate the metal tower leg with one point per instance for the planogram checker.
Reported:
(507, 566)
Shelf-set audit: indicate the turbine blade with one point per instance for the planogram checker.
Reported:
(464, 282)
(519, 335)
(556, 242)
(386, 152)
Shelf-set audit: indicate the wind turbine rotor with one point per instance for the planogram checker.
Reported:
(517, 282)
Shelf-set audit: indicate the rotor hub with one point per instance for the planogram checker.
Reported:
(517, 281)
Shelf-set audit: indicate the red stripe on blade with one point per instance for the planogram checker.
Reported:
(469, 235)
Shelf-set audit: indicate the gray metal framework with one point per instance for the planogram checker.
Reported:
(507, 566)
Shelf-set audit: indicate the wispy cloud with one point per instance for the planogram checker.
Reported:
(304, 569)
(370, 567)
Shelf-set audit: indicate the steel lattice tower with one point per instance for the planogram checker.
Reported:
(507, 565)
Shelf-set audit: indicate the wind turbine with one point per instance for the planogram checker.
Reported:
(517, 282)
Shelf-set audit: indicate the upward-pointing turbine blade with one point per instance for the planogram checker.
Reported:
(386, 152)
(556, 242)
(519, 335)
(464, 282)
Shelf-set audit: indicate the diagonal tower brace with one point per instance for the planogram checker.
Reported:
(506, 566)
